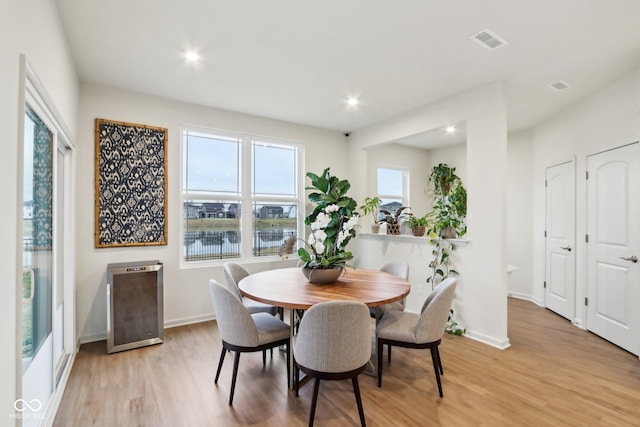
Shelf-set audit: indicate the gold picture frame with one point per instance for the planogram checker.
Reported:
(130, 184)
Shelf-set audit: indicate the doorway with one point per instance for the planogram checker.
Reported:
(46, 326)
(613, 247)
(560, 283)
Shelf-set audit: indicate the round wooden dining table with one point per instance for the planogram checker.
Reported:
(289, 288)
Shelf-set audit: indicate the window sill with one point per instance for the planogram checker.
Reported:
(413, 239)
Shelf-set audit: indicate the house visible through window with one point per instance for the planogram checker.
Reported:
(240, 195)
(392, 189)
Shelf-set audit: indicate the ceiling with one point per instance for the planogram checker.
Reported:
(298, 61)
(435, 138)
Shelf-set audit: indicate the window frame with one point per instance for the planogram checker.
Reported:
(246, 198)
(405, 185)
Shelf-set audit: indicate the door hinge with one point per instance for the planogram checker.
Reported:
(586, 238)
(545, 233)
(587, 174)
(545, 182)
(545, 284)
(586, 301)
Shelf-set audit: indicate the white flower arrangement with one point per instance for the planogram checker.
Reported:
(332, 223)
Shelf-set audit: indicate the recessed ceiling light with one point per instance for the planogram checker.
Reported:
(353, 102)
(450, 129)
(192, 56)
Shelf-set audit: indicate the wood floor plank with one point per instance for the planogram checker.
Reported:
(554, 374)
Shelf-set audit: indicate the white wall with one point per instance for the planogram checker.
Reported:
(482, 288)
(401, 156)
(186, 297)
(372, 251)
(520, 214)
(30, 27)
(606, 119)
(454, 156)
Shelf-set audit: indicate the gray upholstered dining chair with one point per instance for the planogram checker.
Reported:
(400, 269)
(234, 272)
(243, 332)
(333, 343)
(424, 330)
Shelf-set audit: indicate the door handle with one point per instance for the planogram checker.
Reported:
(566, 248)
(632, 258)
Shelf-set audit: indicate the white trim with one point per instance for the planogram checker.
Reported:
(486, 339)
(579, 324)
(33, 93)
(93, 338)
(414, 239)
(405, 184)
(525, 297)
(246, 199)
(56, 398)
(189, 320)
(167, 325)
(38, 91)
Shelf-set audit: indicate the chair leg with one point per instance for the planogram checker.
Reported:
(356, 391)
(288, 363)
(389, 353)
(224, 352)
(439, 360)
(312, 413)
(264, 358)
(379, 354)
(296, 378)
(436, 368)
(236, 361)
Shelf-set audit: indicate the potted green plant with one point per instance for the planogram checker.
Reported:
(450, 211)
(332, 224)
(419, 224)
(394, 221)
(450, 202)
(370, 207)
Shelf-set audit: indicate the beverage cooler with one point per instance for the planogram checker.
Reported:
(135, 305)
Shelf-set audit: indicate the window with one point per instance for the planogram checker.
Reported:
(392, 189)
(240, 195)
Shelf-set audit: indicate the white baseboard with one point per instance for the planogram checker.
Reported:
(189, 320)
(169, 324)
(525, 297)
(500, 344)
(56, 398)
(92, 338)
(579, 323)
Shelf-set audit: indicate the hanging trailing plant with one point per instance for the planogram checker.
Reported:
(450, 199)
(450, 222)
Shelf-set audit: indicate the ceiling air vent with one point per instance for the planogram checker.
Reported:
(559, 85)
(489, 39)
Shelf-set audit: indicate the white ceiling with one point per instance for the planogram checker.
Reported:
(298, 60)
(435, 138)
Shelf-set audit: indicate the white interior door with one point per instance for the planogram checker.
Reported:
(613, 215)
(560, 284)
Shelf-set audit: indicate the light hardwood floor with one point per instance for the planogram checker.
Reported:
(554, 374)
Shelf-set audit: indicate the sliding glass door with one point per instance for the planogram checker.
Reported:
(37, 267)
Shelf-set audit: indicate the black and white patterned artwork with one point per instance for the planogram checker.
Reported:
(131, 184)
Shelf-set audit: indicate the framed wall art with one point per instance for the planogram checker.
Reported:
(131, 184)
